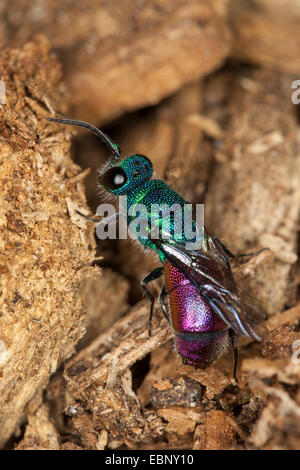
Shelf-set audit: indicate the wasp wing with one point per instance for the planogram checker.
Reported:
(209, 271)
(255, 313)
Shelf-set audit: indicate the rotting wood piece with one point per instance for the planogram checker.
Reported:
(123, 55)
(44, 257)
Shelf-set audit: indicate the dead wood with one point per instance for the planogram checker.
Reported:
(121, 56)
(253, 198)
(173, 401)
(43, 253)
(266, 33)
(229, 138)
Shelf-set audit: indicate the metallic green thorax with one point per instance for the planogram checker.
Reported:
(132, 178)
(155, 192)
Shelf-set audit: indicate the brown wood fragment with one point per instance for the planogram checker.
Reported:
(253, 198)
(288, 317)
(40, 433)
(123, 56)
(216, 433)
(41, 250)
(278, 425)
(266, 34)
(181, 391)
(279, 343)
(118, 348)
(105, 301)
(100, 380)
(180, 421)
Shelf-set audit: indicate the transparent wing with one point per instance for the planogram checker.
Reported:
(254, 312)
(209, 271)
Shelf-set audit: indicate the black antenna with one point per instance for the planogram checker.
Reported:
(114, 148)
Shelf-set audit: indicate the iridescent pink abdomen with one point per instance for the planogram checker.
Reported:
(201, 336)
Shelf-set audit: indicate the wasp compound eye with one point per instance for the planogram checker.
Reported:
(113, 178)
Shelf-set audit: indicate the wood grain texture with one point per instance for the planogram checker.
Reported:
(123, 54)
(42, 253)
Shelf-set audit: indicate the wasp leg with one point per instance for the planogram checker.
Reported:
(161, 299)
(155, 274)
(112, 218)
(240, 255)
(91, 219)
(233, 338)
